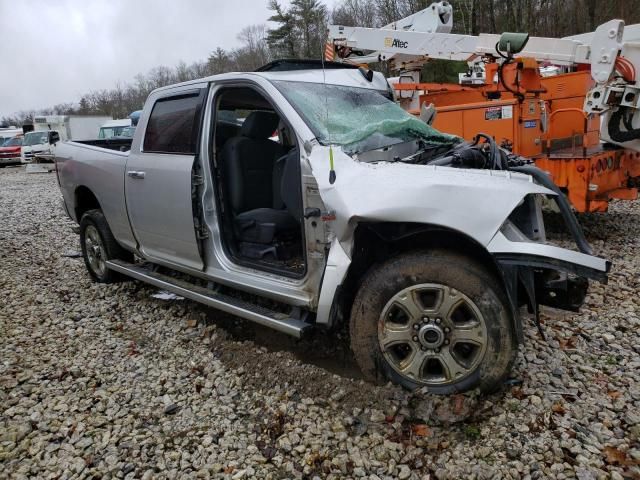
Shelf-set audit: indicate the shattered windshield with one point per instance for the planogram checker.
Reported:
(358, 119)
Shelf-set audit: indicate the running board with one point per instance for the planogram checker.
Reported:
(263, 316)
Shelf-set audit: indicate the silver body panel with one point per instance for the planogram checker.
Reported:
(158, 193)
(156, 222)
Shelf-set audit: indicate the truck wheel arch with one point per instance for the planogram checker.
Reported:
(375, 242)
(85, 200)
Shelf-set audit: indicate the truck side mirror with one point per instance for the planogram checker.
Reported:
(54, 137)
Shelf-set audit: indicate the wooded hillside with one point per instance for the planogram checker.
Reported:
(298, 30)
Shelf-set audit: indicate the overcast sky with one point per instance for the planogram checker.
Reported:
(54, 51)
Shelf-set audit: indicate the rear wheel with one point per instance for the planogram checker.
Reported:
(98, 246)
(433, 319)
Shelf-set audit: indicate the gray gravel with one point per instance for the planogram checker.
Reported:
(106, 381)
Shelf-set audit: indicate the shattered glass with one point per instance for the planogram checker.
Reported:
(358, 119)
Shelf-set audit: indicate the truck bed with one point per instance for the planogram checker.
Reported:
(119, 144)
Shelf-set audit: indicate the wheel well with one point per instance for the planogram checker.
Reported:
(377, 242)
(85, 200)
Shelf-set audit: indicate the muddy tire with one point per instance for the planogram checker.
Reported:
(98, 245)
(433, 319)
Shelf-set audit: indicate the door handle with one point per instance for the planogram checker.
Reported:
(135, 174)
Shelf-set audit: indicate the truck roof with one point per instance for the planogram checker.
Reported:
(123, 122)
(350, 77)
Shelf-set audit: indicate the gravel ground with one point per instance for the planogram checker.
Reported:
(106, 381)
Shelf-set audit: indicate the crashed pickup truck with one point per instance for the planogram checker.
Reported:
(300, 197)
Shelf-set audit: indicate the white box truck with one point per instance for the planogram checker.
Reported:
(39, 145)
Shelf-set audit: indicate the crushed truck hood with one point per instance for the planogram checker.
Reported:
(474, 202)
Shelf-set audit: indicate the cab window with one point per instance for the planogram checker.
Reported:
(174, 125)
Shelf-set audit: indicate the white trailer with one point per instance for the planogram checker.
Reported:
(71, 127)
(39, 145)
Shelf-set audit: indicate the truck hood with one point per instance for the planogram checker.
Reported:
(39, 147)
(13, 149)
(473, 202)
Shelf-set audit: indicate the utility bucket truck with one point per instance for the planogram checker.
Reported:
(570, 104)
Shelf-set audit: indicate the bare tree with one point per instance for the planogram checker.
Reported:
(301, 27)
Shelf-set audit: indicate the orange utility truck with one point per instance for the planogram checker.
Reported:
(570, 104)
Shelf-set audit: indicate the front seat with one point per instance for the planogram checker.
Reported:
(248, 163)
(280, 218)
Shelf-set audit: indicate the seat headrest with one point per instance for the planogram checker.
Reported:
(260, 125)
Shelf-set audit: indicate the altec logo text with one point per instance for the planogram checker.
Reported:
(395, 43)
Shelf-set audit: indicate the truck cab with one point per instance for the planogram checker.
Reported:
(116, 128)
(38, 145)
(10, 150)
(302, 196)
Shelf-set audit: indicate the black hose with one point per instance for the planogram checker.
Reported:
(497, 162)
(618, 135)
(626, 121)
(507, 60)
(442, 162)
(563, 204)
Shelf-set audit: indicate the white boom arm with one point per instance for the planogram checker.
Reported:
(409, 42)
(404, 46)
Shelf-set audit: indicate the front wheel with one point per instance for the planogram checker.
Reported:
(433, 319)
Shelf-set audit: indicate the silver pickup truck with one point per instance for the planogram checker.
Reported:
(299, 197)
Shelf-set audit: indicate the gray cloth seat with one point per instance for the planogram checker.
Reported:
(254, 169)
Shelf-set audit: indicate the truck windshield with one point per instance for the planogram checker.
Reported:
(12, 142)
(358, 119)
(35, 138)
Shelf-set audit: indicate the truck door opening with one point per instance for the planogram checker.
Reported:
(257, 166)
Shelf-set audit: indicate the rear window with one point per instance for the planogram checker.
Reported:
(173, 125)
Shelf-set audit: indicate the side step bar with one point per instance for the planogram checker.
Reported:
(263, 316)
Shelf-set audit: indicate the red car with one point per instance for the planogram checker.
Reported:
(10, 151)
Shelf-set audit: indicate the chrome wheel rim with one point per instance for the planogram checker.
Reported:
(432, 334)
(96, 254)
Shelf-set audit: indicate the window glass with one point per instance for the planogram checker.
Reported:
(35, 138)
(12, 142)
(173, 125)
(359, 119)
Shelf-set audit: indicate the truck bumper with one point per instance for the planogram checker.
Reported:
(539, 255)
(537, 274)
(10, 160)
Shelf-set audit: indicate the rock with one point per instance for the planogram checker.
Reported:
(102, 381)
(585, 474)
(535, 400)
(171, 409)
(404, 473)
(377, 416)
